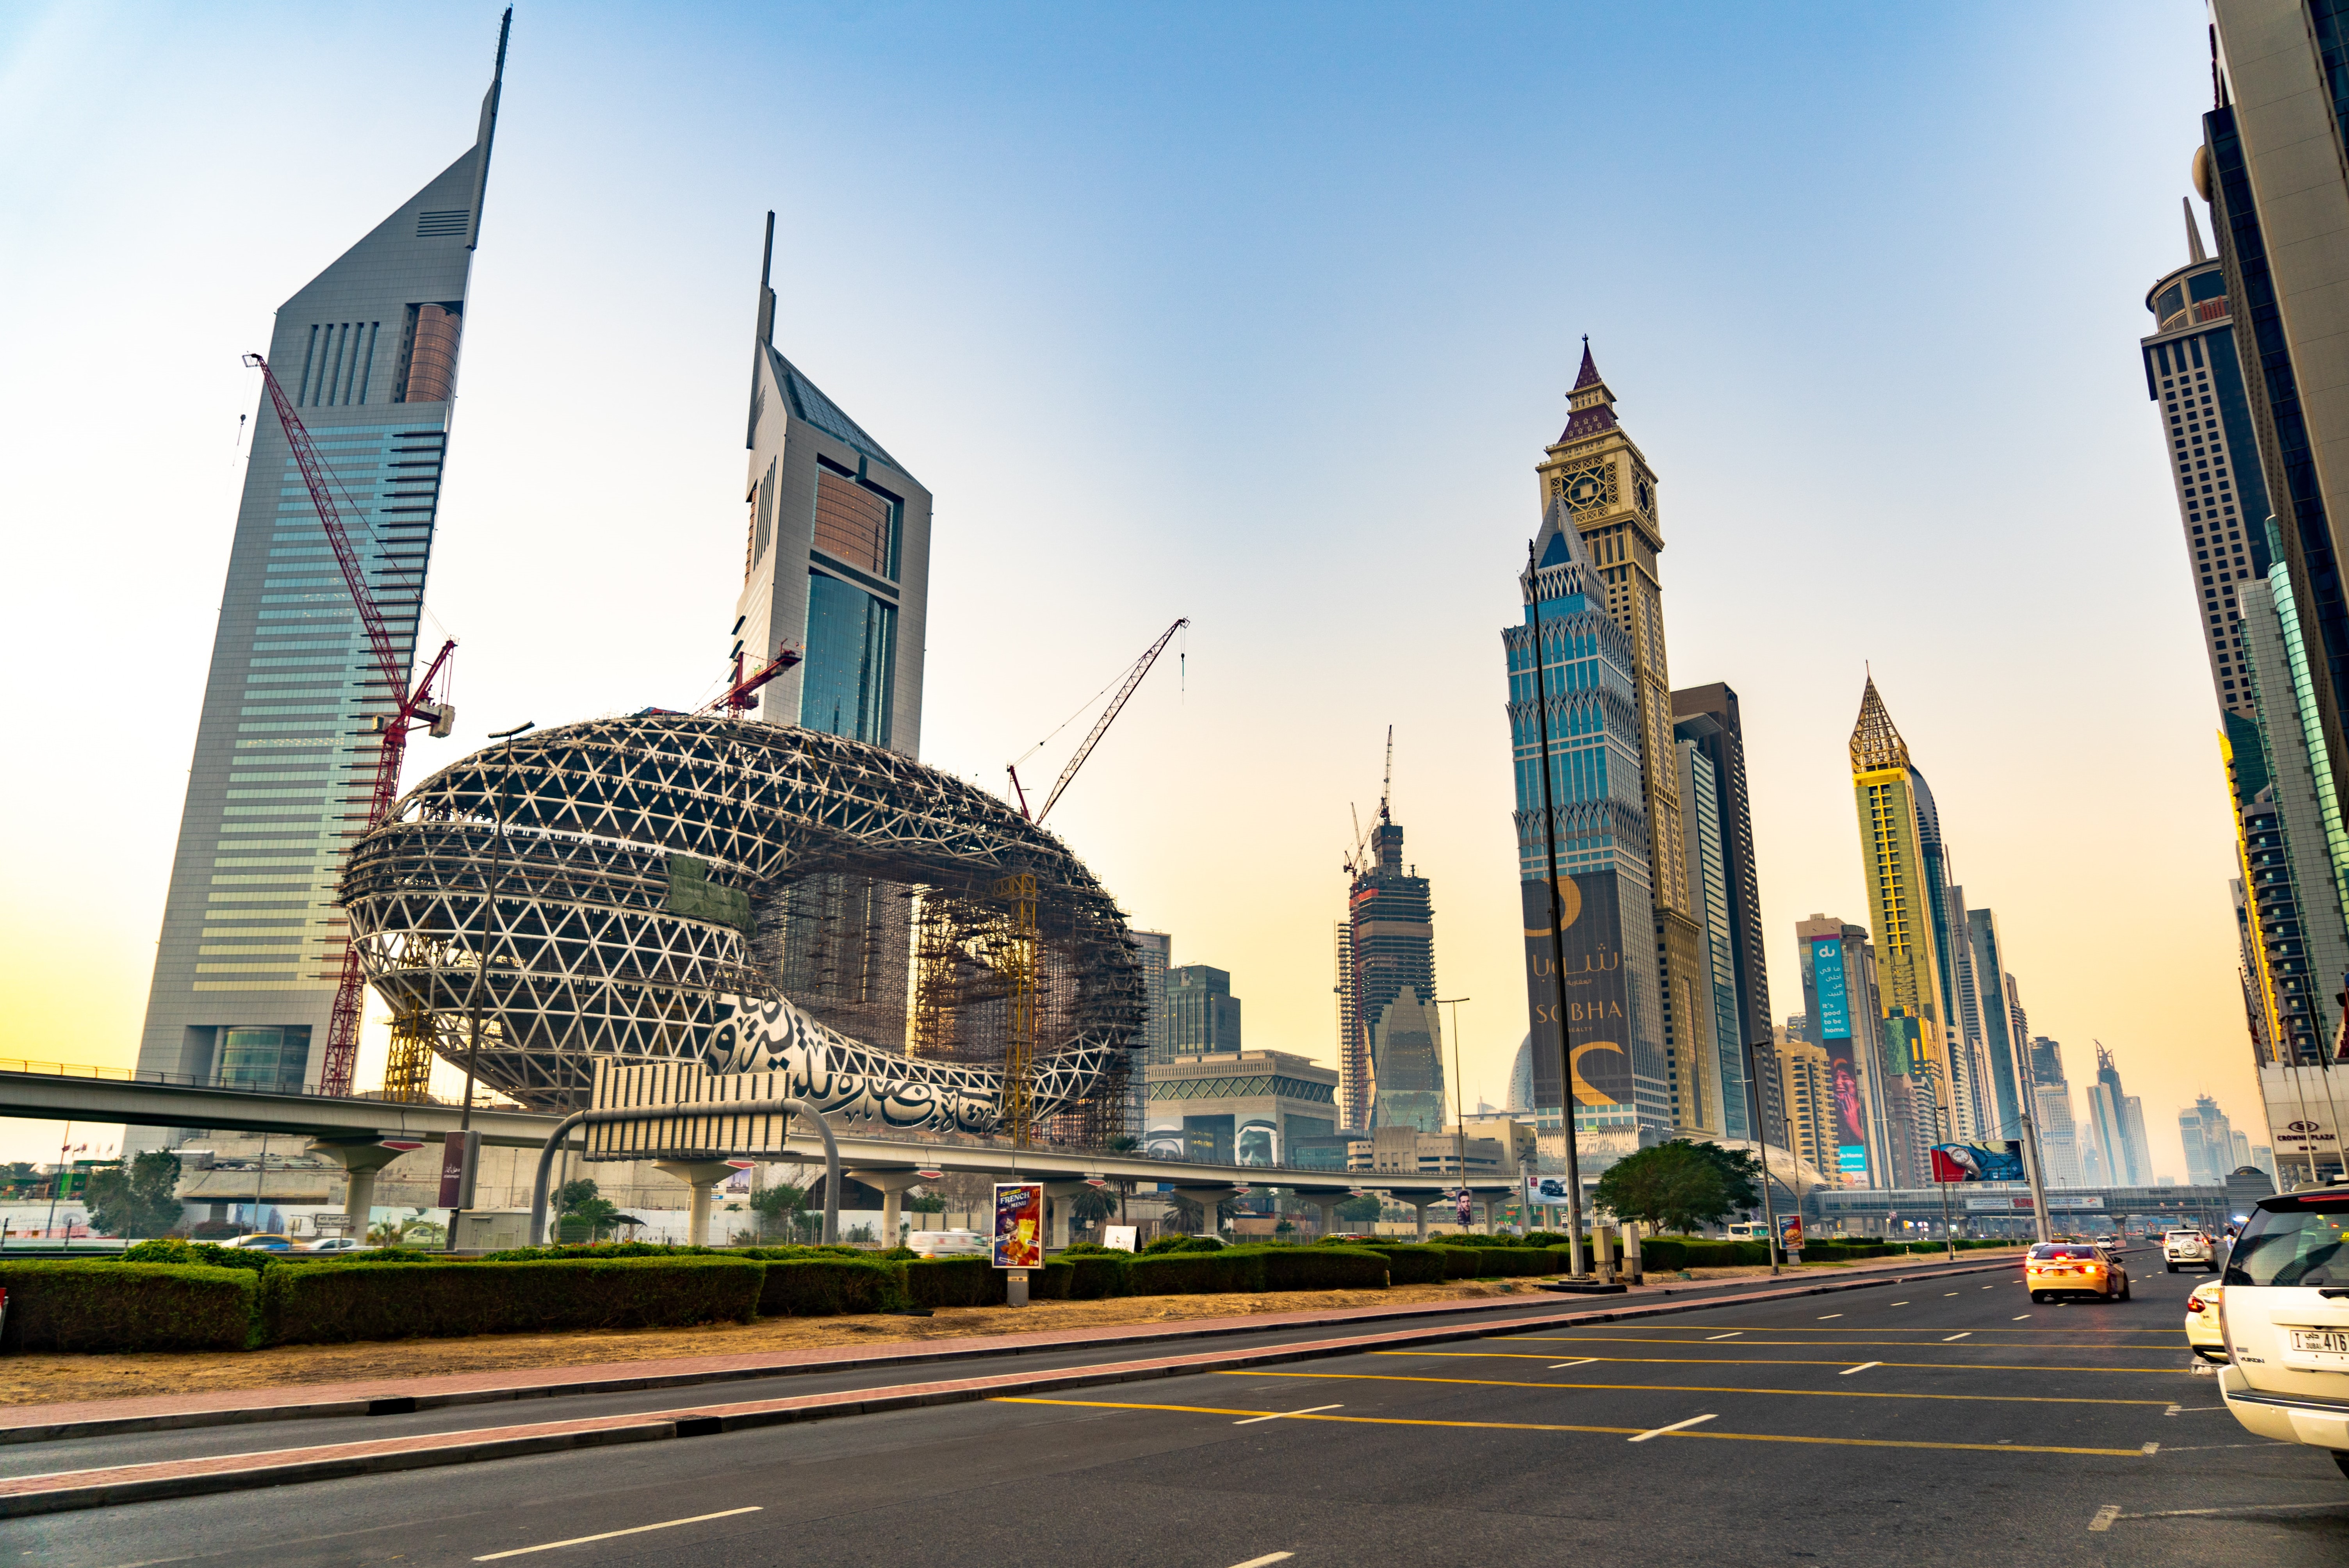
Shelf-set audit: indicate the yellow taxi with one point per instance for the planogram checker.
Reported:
(2073, 1268)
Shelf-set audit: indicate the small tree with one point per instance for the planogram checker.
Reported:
(781, 1205)
(1741, 1174)
(1360, 1210)
(1671, 1187)
(136, 1199)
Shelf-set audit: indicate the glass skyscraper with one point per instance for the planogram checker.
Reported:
(253, 941)
(1597, 818)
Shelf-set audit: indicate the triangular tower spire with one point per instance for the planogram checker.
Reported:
(1563, 557)
(1875, 744)
(1592, 404)
(2194, 251)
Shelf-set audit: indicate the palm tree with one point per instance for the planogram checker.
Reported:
(1124, 1143)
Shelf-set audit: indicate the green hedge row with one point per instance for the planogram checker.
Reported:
(329, 1303)
(75, 1306)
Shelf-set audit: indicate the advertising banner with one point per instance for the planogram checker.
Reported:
(1019, 1225)
(1467, 1206)
(1598, 998)
(1546, 1189)
(1790, 1233)
(1903, 1053)
(1835, 998)
(461, 1155)
(2304, 1108)
(1972, 1162)
(1850, 1120)
(1120, 1238)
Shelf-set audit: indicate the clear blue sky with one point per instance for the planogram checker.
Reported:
(1260, 315)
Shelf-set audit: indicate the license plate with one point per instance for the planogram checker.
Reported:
(2322, 1341)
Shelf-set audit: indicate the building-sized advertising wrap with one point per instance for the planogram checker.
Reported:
(1834, 1034)
(1019, 1225)
(1597, 997)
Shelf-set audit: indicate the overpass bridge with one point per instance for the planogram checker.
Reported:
(356, 1132)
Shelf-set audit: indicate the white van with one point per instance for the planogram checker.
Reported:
(949, 1244)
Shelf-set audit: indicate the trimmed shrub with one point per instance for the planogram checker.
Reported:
(955, 1281)
(1093, 1276)
(1412, 1262)
(75, 1305)
(1324, 1268)
(211, 1255)
(826, 1287)
(1198, 1274)
(329, 1303)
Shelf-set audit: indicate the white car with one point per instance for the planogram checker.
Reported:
(337, 1244)
(2285, 1316)
(2183, 1247)
(2204, 1335)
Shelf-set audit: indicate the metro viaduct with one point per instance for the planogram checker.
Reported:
(355, 1133)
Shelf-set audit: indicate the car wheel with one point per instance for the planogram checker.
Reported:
(2039, 1296)
(2172, 1267)
(2125, 1287)
(2340, 1459)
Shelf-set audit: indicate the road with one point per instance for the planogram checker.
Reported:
(1948, 1420)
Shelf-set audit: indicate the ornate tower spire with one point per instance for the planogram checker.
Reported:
(1592, 406)
(2193, 234)
(1875, 744)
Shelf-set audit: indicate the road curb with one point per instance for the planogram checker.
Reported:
(70, 1491)
(627, 1383)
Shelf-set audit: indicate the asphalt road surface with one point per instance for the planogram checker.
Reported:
(1947, 1420)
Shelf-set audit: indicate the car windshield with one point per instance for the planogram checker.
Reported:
(2048, 1250)
(2296, 1245)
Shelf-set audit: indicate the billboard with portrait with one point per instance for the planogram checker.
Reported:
(1019, 1224)
(1598, 995)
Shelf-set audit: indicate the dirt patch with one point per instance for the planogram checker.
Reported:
(44, 1379)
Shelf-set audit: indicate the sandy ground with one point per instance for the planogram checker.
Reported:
(47, 1379)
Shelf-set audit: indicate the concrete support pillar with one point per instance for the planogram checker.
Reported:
(1057, 1195)
(1632, 1252)
(1420, 1206)
(892, 1186)
(701, 1176)
(361, 1159)
(1326, 1207)
(1604, 1246)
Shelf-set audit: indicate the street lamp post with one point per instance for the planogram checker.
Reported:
(1762, 1145)
(1459, 1116)
(1556, 937)
(481, 968)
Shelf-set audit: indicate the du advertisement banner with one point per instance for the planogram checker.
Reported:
(1835, 998)
(1597, 999)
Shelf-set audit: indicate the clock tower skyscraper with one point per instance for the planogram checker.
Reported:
(1610, 493)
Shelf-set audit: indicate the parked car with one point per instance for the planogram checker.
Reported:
(2188, 1247)
(338, 1245)
(2285, 1315)
(2205, 1334)
(949, 1245)
(263, 1241)
(2073, 1268)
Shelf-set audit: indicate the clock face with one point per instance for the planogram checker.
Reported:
(1584, 490)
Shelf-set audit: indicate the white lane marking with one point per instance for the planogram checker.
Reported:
(2225, 1513)
(1676, 1426)
(1825, 1316)
(2151, 1449)
(1277, 1415)
(2018, 1318)
(1948, 1293)
(614, 1534)
(1861, 1368)
(2104, 1516)
(2171, 1411)
(1584, 1362)
(1731, 1335)
(1899, 1303)
(1989, 1287)
(1266, 1560)
(1969, 1333)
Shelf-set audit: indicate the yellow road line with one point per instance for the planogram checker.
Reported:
(1698, 1388)
(1605, 1431)
(1791, 1361)
(1801, 1343)
(1791, 1328)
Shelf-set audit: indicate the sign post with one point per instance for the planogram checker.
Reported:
(1018, 1236)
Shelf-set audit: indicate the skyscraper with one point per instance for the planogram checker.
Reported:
(2271, 168)
(252, 941)
(1390, 940)
(1724, 744)
(1597, 821)
(2059, 1135)
(1609, 494)
(2000, 1041)
(1156, 949)
(2209, 1139)
(2117, 1123)
(1202, 1015)
(835, 557)
(1908, 901)
(1716, 1102)
(1875, 1141)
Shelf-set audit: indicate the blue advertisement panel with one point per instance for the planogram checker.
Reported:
(1835, 1001)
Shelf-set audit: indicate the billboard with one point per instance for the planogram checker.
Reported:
(2305, 1109)
(1598, 998)
(1903, 1053)
(1019, 1224)
(1973, 1162)
(1835, 998)
(1542, 1190)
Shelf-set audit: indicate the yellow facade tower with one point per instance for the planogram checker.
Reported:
(1909, 974)
(1609, 491)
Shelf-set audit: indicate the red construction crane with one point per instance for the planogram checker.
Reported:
(412, 709)
(1132, 679)
(736, 698)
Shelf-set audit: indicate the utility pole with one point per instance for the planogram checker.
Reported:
(481, 968)
(1761, 1144)
(1556, 939)
(2031, 1169)
(1459, 1115)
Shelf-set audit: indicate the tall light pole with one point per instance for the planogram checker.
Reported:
(1459, 1115)
(1556, 937)
(481, 965)
(1761, 1146)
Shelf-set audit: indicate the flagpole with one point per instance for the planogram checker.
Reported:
(57, 1180)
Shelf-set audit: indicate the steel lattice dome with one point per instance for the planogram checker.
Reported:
(669, 884)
